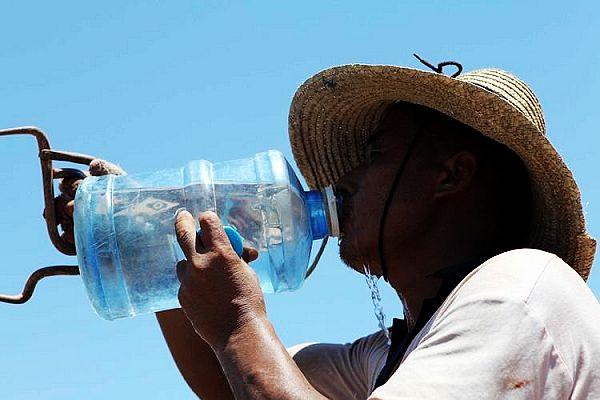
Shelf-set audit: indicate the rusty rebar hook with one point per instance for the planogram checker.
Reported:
(49, 173)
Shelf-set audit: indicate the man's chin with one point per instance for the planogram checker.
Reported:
(351, 259)
(350, 262)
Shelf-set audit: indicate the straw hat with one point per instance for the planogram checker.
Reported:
(334, 112)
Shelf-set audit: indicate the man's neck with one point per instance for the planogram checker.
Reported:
(416, 279)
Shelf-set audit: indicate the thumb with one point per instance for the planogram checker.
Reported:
(185, 229)
(100, 167)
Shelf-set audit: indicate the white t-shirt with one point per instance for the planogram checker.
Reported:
(523, 325)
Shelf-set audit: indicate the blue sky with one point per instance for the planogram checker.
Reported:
(154, 84)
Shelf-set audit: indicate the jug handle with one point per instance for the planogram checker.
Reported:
(49, 173)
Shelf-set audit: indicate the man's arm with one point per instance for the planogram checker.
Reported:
(338, 371)
(221, 296)
(259, 367)
(194, 358)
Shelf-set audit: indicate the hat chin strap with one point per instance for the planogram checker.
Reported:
(389, 199)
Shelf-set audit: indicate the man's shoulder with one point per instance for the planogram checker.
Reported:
(518, 275)
(539, 284)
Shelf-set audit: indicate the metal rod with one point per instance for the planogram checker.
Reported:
(35, 278)
(56, 155)
(46, 156)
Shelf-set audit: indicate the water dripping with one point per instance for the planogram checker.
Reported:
(376, 298)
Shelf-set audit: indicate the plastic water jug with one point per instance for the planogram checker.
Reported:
(125, 227)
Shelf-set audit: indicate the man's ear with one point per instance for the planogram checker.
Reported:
(456, 174)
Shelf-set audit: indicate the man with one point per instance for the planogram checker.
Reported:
(452, 193)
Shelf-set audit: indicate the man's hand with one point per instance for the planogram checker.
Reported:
(219, 292)
(221, 297)
(65, 201)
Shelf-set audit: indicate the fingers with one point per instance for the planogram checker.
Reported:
(212, 238)
(182, 268)
(68, 187)
(68, 235)
(213, 235)
(69, 209)
(100, 167)
(64, 204)
(250, 254)
(185, 229)
(60, 204)
(200, 248)
(63, 216)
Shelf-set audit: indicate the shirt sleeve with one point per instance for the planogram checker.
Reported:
(341, 371)
(481, 348)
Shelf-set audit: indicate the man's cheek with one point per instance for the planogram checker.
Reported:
(348, 249)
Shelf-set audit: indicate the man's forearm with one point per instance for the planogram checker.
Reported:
(258, 366)
(222, 298)
(194, 357)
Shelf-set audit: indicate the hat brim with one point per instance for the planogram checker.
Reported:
(334, 112)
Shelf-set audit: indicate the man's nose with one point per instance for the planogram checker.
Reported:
(349, 183)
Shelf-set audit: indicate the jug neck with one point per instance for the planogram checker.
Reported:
(322, 211)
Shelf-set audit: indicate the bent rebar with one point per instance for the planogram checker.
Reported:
(49, 173)
(34, 278)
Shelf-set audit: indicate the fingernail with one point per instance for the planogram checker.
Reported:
(178, 211)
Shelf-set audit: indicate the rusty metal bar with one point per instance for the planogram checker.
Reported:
(56, 155)
(46, 156)
(34, 278)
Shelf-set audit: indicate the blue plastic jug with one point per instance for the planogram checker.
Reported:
(125, 227)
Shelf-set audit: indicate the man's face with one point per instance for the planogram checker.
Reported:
(365, 189)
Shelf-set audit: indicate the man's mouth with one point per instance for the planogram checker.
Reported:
(345, 218)
(341, 201)
(344, 202)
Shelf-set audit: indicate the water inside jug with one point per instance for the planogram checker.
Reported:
(125, 234)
